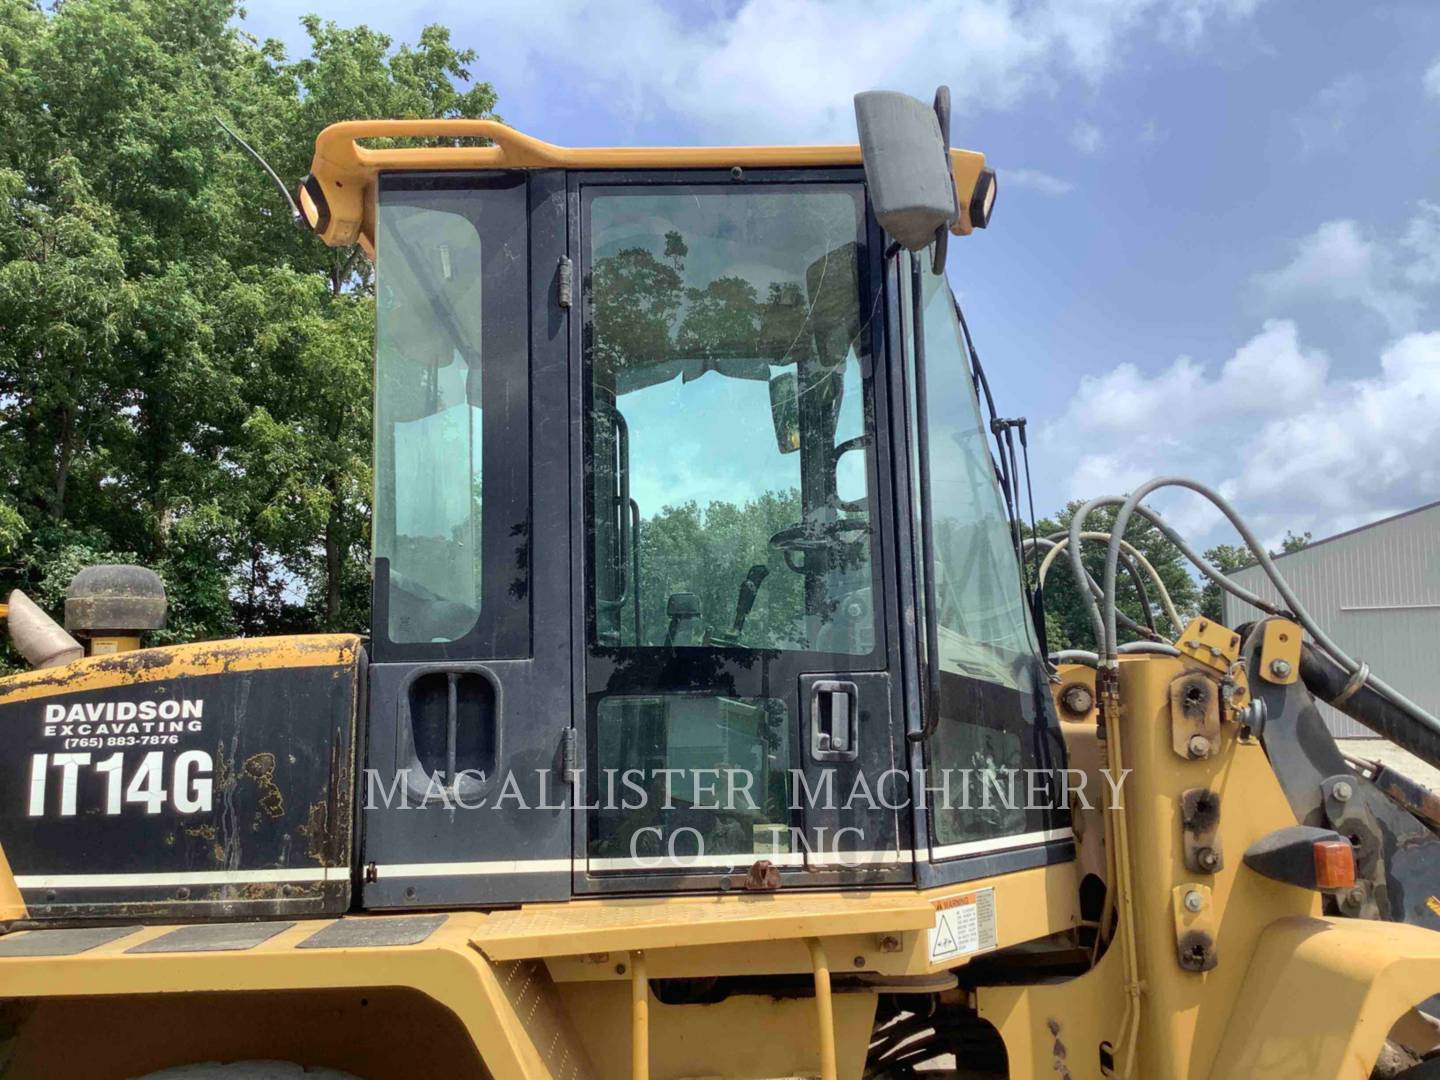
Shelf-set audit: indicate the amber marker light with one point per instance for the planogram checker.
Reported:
(1334, 864)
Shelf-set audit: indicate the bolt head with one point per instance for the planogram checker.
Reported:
(1198, 746)
(1342, 791)
(1280, 668)
(1077, 700)
(1207, 858)
(1355, 896)
(1194, 901)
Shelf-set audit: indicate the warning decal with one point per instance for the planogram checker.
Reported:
(963, 924)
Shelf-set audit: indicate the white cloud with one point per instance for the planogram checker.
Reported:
(1086, 138)
(787, 69)
(1339, 262)
(1294, 446)
(1422, 243)
(1035, 180)
(1325, 121)
(1431, 80)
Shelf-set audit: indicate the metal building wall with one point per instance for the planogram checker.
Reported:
(1376, 591)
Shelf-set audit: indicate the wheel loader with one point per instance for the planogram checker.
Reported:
(704, 726)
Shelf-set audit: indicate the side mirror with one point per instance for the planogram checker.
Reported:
(785, 412)
(904, 144)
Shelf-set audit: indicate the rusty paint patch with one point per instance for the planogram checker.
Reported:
(1419, 800)
(314, 832)
(261, 768)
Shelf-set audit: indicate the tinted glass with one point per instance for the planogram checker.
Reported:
(730, 462)
(994, 716)
(451, 429)
(728, 421)
(704, 776)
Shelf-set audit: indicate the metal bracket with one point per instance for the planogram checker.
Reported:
(1200, 818)
(1346, 809)
(565, 282)
(1194, 716)
(1210, 644)
(1194, 927)
(1280, 652)
(569, 756)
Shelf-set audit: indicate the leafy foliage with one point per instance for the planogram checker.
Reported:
(1067, 619)
(184, 376)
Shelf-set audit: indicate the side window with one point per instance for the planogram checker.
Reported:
(451, 417)
(991, 680)
(984, 625)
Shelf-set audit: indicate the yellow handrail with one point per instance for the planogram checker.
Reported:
(639, 1018)
(346, 170)
(824, 1009)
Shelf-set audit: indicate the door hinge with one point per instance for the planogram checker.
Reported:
(565, 281)
(569, 756)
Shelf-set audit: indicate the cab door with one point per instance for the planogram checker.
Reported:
(738, 697)
(462, 798)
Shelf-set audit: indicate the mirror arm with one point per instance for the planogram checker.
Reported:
(942, 234)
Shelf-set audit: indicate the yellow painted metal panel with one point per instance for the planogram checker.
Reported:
(12, 904)
(1320, 996)
(509, 1010)
(1031, 904)
(594, 926)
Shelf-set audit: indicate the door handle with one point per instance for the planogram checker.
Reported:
(834, 720)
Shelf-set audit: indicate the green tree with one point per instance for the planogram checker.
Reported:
(709, 552)
(1292, 543)
(1227, 558)
(184, 376)
(1066, 615)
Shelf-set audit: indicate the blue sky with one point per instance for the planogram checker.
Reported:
(1216, 249)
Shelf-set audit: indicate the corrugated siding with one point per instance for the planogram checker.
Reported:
(1376, 591)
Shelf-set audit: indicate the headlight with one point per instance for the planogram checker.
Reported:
(313, 205)
(983, 201)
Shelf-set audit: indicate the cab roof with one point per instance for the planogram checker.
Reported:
(343, 171)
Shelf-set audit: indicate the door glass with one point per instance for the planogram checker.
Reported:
(730, 474)
(450, 400)
(691, 779)
(993, 695)
(704, 307)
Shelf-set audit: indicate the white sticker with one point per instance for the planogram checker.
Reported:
(963, 924)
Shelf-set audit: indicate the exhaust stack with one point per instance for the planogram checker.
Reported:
(37, 637)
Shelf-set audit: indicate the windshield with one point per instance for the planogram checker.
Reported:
(993, 703)
(984, 627)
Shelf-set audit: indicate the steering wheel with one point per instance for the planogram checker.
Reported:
(808, 536)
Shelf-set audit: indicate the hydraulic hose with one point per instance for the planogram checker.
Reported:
(1232, 587)
(1130, 648)
(1053, 548)
(1328, 681)
(1056, 547)
(1130, 505)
